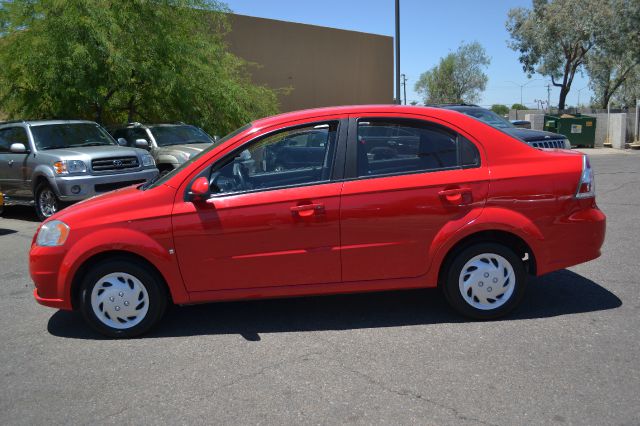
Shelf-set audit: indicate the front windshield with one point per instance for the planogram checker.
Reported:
(179, 135)
(489, 117)
(163, 178)
(70, 135)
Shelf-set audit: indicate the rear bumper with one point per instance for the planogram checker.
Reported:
(76, 188)
(576, 239)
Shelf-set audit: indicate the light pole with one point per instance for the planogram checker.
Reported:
(522, 86)
(404, 87)
(398, 52)
(580, 90)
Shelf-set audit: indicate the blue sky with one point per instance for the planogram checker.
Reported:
(429, 30)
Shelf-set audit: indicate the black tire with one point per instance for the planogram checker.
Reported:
(463, 303)
(43, 211)
(156, 293)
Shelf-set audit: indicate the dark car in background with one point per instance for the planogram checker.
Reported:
(169, 144)
(535, 138)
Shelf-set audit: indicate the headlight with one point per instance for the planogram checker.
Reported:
(567, 144)
(52, 234)
(147, 160)
(65, 167)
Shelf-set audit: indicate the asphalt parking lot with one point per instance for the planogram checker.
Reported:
(569, 355)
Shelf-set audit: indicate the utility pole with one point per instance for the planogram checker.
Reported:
(636, 142)
(404, 87)
(398, 100)
(549, 98)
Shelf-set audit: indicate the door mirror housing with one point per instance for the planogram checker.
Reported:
(122, 142)
(199, 190)
(18, 148)
(142, 143)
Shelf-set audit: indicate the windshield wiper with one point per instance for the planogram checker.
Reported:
(94, 144)
(150, 182)
(54, 147)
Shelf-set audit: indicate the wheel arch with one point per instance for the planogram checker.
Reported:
(84, 268)
(506, 238)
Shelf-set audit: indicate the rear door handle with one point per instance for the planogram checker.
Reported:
(10, 162)
(457, 196)
(307, 210)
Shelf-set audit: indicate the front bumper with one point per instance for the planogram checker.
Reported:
(45, 265)
(76, 188)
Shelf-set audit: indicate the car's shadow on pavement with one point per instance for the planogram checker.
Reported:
(559, 293)
(26, 213)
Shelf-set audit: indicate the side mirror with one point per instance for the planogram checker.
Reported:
(199, 190)
(142, 143)
(122, 142)
(18, 148)
(216, 138)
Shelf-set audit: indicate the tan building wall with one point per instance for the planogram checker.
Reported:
(323, 66)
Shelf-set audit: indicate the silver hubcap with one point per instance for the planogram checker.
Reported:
(487, 281)
(48, 203)
(120, 300)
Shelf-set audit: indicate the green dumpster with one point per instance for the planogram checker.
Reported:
(579, 129)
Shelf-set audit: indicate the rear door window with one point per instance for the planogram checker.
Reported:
(387, 147)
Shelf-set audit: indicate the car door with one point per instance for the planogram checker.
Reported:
(395, 202)
(15, 177)
(263, 227)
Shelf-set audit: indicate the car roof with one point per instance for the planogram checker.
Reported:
(147, 126)
(355, 109)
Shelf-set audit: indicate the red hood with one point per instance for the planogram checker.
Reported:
(121, 205)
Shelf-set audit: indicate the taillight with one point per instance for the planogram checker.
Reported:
(586, 186)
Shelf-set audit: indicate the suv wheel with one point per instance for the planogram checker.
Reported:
(47, 204)
(485, 281)
(122, 299)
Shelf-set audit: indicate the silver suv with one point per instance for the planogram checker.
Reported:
(169, 144)
(53, 162)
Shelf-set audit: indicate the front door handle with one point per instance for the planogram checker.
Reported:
(306, 210)
(10, 162)
(456, 196)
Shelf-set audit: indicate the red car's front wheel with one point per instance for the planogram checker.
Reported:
(121, 298)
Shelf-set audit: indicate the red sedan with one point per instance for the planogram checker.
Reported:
(325, 201)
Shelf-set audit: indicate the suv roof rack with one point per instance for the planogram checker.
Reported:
(13, 121)
(452, 104)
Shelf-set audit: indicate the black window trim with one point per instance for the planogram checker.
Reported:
(337, 163)
(351, 166)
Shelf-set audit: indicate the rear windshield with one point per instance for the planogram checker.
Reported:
(73, 135)
(179, 135)
(489, 117)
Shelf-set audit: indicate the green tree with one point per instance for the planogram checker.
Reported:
(459, 76)
(616, 57)
(518, 107)
(500, 109)
(554, 37)
(149, 60)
